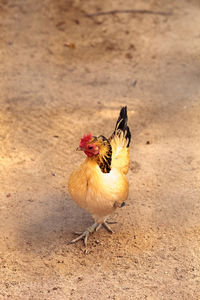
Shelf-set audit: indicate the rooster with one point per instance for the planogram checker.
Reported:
(100, 184)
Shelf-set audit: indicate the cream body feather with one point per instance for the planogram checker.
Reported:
(97, 192)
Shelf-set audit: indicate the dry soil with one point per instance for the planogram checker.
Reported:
(62, 74)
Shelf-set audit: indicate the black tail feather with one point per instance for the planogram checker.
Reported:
(122, 119)
(128, 136)
(121, 125)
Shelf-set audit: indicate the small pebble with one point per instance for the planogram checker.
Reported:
(134, 83)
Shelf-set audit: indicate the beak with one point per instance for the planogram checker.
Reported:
(79, 149)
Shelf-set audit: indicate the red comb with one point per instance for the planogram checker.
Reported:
(86, 138)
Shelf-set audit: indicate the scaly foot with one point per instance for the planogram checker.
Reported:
(84, 235)
(105, 225)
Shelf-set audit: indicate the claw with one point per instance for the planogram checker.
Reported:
(84, 235)
(105, 225)
(99, 226)
(111, 222)
(78, 232)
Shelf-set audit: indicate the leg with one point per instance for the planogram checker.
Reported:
(111, 222)
(85, 234)
(94, 227)
(106, 226)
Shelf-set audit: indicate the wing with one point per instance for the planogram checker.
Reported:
(120, 155)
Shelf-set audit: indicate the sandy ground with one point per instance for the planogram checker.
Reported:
(63, 74)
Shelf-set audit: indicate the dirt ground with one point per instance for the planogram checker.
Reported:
(62, 74)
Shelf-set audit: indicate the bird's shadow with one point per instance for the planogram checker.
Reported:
(54, 220)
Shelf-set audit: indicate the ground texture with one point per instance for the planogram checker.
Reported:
(62, 74)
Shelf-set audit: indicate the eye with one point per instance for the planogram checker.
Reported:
(90, 147)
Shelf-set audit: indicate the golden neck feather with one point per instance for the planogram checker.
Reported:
(104, 158)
